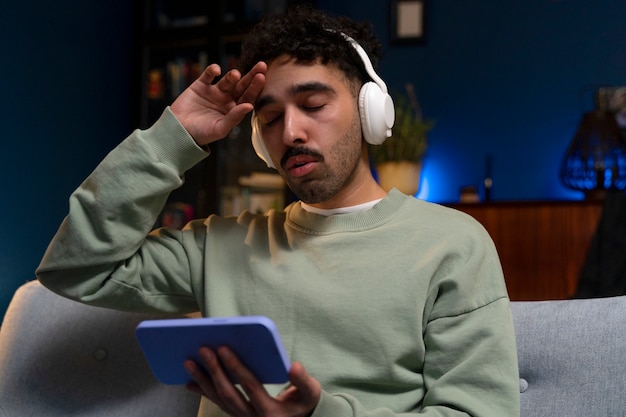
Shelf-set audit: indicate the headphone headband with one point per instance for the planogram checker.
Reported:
(366, 62)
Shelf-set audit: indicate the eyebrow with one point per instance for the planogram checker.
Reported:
(313, 86)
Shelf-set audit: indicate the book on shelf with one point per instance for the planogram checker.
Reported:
(177, 74)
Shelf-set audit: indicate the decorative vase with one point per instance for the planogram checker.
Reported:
(403, 175)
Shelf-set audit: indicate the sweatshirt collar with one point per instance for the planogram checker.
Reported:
(314, 223)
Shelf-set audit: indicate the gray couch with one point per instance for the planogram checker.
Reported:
(60, 358)
(572, 357)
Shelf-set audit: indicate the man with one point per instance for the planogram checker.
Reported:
(387, 304)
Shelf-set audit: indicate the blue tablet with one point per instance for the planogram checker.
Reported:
(167, 343)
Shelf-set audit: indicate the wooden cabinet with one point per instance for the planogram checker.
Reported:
(542, 245)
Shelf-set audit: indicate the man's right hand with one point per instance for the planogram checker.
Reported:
(209, 111)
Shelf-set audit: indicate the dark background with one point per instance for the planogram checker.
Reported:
(506, 79)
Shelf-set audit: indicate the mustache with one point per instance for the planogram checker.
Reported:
(299, 150)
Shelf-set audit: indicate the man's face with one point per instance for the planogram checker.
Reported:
(310, 125)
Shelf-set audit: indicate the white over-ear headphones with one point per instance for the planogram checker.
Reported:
(375, 109)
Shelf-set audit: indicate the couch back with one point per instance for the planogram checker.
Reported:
(572, 357)
(62, 358)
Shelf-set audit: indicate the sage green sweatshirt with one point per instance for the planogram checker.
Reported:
(397, 310)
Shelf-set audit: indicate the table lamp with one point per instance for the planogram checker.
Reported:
(595, 160)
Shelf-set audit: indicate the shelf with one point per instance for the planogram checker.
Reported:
(177, 40)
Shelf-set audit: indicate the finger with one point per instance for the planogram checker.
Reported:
(255, 87)
(201, 383)
(232, 119)
(194, 371)
(309, 388)
(258, 396)
(251, 84)
(210, 73)
(229, 81)
(231, 398)
(259, 68)
(231, 362)
(194, 387)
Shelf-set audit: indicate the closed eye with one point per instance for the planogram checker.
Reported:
(269, 119)
(272, 121)
(313, 108)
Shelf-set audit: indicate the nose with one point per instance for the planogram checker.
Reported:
(293, 127)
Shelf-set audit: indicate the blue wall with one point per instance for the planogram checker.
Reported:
(508, 79)
(65, 81)
(502, 78)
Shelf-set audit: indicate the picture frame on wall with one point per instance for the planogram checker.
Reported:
(408, 22)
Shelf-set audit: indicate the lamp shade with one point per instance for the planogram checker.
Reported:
(595, 160)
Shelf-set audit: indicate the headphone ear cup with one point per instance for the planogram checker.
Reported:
(377, 113)
(257, 142)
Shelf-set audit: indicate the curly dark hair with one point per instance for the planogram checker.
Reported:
(308, 34)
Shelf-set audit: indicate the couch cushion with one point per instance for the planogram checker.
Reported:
(61, 358)
(572, 357)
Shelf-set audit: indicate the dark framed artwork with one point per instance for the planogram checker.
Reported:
(408, 21)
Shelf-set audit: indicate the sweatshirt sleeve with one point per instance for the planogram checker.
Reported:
(470, 364)
(467, 378)
(464, 389)
(102, 253)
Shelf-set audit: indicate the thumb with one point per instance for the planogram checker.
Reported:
(309, 388)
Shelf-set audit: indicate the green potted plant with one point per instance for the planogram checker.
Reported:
(398, 161)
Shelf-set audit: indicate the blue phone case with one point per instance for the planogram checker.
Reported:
(167, 343)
